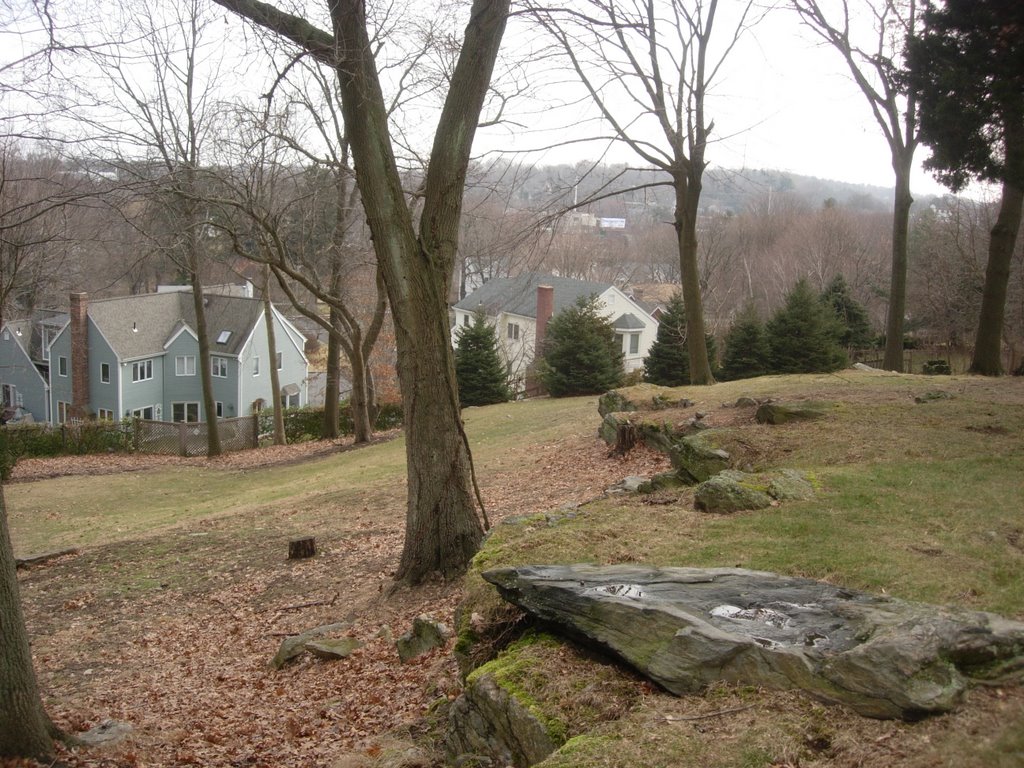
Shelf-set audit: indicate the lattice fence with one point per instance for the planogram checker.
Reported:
(190, 439)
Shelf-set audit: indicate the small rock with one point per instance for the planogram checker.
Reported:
(333, 648)
(929, 397)
(425, 635)
(779, 413)
(630, 484)
(295, 645)
(745, 402)
(105, 734)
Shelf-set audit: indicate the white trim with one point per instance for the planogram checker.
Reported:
(174, 336)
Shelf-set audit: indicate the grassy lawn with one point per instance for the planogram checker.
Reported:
(918, 500)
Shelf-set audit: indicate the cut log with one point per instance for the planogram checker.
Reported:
(301, 548)
(25, 562)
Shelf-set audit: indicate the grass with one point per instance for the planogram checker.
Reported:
(921, 501)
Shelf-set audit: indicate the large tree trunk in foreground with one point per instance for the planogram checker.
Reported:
(25, 729)
(893, 358)
(442, 528)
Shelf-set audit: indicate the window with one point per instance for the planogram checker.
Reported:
(46, 343)
(223, 337)
(144, 413)
(7, 337)
(187, 412)
(280, 360)
(634, 343)
(63, 411)
(105, 415)
(142, 371)
(465, 320)
(8, 395)
(62, 366)
(619, 340)
(219, 367)
(220, 409)
(105, 373)
(256, 366)
(513, 331)
(185, 365)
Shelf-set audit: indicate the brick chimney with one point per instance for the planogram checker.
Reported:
(545, 309)
(79, 355)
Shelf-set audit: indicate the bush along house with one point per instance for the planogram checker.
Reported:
(138, 356)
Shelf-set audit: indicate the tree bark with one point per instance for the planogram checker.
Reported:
(332, 392)
(988, 345)
(442, 527)
(903, 200)
(275, 378)
(25, 728)
(688, 189)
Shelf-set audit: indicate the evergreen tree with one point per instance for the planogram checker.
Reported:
(747, 353)
(668, 361)
(480, 373)
(968, 72)
(582, 356)
(856, 329)
(803, 335)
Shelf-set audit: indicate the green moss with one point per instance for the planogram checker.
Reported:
(517, 671)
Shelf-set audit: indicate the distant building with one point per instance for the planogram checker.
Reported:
(520, 307)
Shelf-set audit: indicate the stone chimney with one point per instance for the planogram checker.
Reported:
(79, 355)
(545, 309)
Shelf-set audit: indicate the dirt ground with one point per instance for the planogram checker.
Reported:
(120, 633)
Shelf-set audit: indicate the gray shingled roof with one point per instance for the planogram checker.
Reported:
(140, 326)
(628, 322)
(518, 295)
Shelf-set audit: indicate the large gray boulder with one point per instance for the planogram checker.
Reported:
(641, 397)
(687, 627)
(783, 413)
(733, 491)
(695, 458)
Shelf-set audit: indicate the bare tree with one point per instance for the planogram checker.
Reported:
(875, 66)
(648, 67)
(442, 528)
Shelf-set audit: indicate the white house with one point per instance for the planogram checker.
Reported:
(520, 307)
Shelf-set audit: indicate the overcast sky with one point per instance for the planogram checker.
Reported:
(786, 102)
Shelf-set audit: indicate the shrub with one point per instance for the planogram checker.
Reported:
(803, 335)
(747, 353)
(668, 361)
(303, 424)
(481, 375)
(581, 354)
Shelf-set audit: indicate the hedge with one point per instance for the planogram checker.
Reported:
(303, 424)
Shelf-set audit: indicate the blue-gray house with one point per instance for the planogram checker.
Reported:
(25, 365)
(139, 356)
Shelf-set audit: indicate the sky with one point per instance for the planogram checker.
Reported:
(786, 101)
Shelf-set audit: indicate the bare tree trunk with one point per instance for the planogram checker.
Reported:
(332, 391)
(688, 191)
(987, 359)
(442, 527)
(213, 447)
(275, 378)
(25, 728)
(893, 359)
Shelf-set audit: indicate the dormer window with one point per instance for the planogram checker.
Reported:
(223, 337)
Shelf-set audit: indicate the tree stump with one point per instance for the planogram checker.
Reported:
(301, 548)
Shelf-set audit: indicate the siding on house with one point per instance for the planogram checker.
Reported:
(130, 331)
(26, 385)
(513, 302)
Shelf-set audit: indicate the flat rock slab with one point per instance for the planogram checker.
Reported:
(687, 627)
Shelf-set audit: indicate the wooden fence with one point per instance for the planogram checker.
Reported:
(190, 439)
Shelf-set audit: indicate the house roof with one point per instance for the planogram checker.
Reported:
(28, 331)
(140, 326)
(628, 322)
(518, 295)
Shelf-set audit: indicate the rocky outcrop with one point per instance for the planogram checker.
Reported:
(734, 491)
(695, 458)
(642, 397)
(487, 721)
(783, 413)
(687, 627)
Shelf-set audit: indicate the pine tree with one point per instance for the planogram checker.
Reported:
(668, 361)
(581, 353)
(803, 335)
(747, 353)
(480, 373)
(856, 332)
